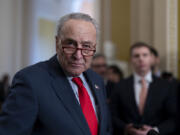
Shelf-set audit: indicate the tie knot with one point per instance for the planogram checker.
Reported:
(77, 81)
(143, 83)
(143, 80)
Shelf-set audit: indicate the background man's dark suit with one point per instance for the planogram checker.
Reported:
(2, 92)
(42, 102)
(159, 109)
(178, 112)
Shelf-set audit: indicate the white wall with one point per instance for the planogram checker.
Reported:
(19, 43)
(9, 34)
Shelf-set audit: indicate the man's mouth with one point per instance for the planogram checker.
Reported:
(76, 64)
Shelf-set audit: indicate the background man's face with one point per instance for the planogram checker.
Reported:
(141, 60)
(75, 31)
(99, 66)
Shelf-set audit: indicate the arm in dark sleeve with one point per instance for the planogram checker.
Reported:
(118, 124)
(109, 121)
(168, 126)
(20, 109)
(178, 110)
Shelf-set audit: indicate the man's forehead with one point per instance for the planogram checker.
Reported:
(76, 23)
(84, 31)
(141, 49)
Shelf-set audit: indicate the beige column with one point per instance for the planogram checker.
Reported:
(172, 40)
(160, 30)
(105, 23)
(165, 33)
(142, 21)
(155, 22)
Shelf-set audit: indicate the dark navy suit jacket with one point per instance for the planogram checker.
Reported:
(42, 102)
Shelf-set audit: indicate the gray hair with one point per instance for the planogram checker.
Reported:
(76, 16)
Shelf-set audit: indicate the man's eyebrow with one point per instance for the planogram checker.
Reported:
(73, 40)
(87, 42)
(136, 55)
(69, 39)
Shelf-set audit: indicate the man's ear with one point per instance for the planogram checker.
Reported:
(57, 43)
(56, 38)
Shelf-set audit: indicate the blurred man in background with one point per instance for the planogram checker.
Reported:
(114, 75)
(143, 102)
(99, 65)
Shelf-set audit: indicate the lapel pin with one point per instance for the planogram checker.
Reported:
(96, 86)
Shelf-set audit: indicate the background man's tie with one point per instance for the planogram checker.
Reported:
(86, 106)
(143, 95)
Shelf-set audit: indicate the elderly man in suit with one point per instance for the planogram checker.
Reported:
(143, 102)
(60, 96)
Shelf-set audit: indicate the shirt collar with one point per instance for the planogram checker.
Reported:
(80, 76)
(148, 77)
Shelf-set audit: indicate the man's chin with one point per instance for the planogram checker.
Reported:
(75, 72)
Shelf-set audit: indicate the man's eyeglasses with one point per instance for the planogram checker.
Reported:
(69, 47)
(84, 51)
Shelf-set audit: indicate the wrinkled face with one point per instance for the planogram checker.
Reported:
(141, 60)
(99, 66)
(75, 34)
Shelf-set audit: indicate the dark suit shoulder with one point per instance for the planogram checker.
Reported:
(35, 74)
(162, 82)
(94, 75)
(125, 82)
(120, 88)
(40, 68)
(33, 69)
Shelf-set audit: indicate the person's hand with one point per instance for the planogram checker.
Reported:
(146, 128)
(130, 130)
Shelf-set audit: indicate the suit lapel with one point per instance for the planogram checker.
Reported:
(151, 92)
(131, 95)
(65, 94)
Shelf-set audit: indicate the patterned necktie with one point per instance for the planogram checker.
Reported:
(86, 106)
(142, 96)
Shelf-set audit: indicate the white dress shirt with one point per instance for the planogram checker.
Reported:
(137, 84)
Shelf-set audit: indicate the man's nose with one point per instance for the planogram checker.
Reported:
(141, 57)
(78, 54)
